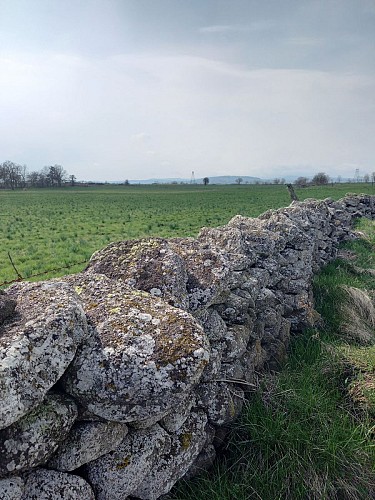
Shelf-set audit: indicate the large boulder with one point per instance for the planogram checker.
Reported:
(37, 344)
(143, 355)
(32, 440)
(146, 264)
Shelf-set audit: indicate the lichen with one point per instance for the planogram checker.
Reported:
(124, 463)
(185, 440)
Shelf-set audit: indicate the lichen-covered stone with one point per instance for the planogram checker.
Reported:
(43, 484)
(31, 440)
(237, 308)
(143, 355)
(186, 444)
(235, 342)
(147, 264)
(177, 417)
(11, 488)
(222, 402)
(37, 344)
(118, 474)
(258, 239)
(203, 462)
(208, 271)
(86, 442)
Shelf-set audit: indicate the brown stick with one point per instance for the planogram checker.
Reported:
(14, 267)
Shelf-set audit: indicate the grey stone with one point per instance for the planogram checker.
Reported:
(7, 306)
(86, 442)
(177, 417)
(186, 444)
(32, 440)
(235, 342)
(203, 462)
(147, 264)
(43, 484)
(118, 474)
(143, 355)
(222, 401)
(11, 488)
(37, 345)
(208, 270)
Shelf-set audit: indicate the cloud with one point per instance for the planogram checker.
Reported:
(140, 138)
(260, 25)
(306, 41)
(130, 115)
(223, 28)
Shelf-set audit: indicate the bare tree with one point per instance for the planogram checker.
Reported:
(301, 181)
(320, 179)
(366, 178)
(11, 174)
(206, 180)
(277, 181)
(239, 180)
(33, 179)
(56, 175)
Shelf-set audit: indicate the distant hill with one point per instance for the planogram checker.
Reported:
(221, 179)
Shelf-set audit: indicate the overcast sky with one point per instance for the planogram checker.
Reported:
(134, 89)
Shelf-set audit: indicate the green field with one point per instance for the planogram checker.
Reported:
(45, 229)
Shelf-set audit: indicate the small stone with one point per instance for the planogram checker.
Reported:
(43, 484)
(86, 442)
(116, 475)
(34, 438)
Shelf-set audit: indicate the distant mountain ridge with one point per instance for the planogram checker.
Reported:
(220, 179)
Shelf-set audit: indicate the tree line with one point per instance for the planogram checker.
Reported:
(322, 178)
(13, 176)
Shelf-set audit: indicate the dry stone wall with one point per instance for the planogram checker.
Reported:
(118, 381)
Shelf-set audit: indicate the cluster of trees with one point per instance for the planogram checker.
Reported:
(14, 176)
(321, 179)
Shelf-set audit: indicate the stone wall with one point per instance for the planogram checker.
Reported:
(118, 381)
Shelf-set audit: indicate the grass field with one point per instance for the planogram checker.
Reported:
(48, 229)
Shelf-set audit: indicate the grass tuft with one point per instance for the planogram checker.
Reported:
(357, 315)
